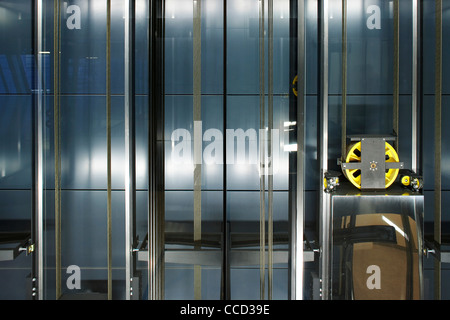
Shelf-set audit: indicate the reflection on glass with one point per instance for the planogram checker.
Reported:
(376, 247)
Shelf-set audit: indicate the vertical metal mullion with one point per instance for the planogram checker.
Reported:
(57, 155)
(34, 259)
(416, 142)
(130, 149)
(108, 147)
(38, 278)
(225, 294)
(438, 145)
(325, 199)
(262, 167)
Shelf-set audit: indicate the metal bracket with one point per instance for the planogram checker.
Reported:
(373, 163)
(411, 180)
(331, 181)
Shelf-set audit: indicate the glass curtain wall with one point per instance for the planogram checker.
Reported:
(228, 119)
(84, 146)
(220, 100)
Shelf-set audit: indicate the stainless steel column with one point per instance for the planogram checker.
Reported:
(325, 210)
(130, 150)
(38, 280)
(297, 227)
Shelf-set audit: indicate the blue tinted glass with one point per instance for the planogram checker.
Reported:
(85, 212)
(16, 137)
(245, 284)
(178, 50)
(83, 142)
(179, 283)
(83, 47)
(242, 47)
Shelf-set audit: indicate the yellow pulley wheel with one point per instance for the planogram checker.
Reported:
(354, 155)
(294, 86)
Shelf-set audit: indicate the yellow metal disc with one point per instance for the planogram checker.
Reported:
(354, 155)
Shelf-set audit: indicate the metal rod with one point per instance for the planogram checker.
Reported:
(270, 154)
(262, 167)
(197, 80)
(298, 219)
(108, 145)
(39, 157)
(34, 271)
(344, 82)
(396, 80)
(438, 145)
(130, 150)
(57, 133)
(225, 293)
(152, 229)
(415, 85)
(325, 225)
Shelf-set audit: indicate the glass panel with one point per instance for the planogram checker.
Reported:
(82, 104)
(16, 178)
(238, 143)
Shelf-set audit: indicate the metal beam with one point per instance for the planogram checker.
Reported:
(130, 149)
(39, 125)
